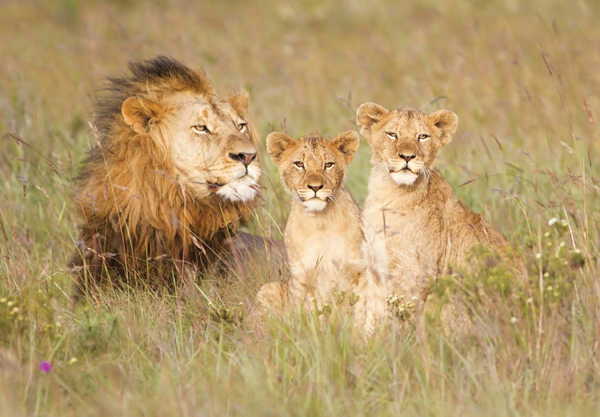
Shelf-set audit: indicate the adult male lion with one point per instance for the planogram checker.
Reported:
(174, 174)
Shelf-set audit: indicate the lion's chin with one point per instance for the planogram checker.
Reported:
(314, 205)
(243, 190)
(404, 177)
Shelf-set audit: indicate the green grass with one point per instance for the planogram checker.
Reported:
(523, 78)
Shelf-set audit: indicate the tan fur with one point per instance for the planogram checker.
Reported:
(156, 194)
(415, 226)
(323, 238)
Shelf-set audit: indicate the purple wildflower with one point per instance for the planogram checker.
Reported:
(45, 367)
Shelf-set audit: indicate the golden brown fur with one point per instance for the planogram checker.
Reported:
(415, 226)
(155, 194)
(323, 234)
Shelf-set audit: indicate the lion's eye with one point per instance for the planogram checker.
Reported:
(242, 127)
(299, 164)
(200, 129)
(392, 135)
(328, 165)
(423, 137)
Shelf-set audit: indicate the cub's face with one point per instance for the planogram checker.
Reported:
(209, 141)
(405, 142)
(312, 168)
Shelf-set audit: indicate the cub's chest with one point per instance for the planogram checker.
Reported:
(390, 219)
(404, 227)
(324, 247)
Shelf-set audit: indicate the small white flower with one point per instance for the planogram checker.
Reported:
(513, 320)
(546, 274)
(552, 221)
(538, 256)
(564, 223)
(562, 244)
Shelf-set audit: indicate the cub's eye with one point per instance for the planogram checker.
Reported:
(392, 135)
(299, 165)
(242, 127)
(328, 165)
(423, 137)
(200, 129)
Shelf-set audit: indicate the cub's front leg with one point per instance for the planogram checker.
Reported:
(272, 297)
(279, 297)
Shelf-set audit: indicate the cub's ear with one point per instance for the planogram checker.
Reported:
(367, 115)
(446, 121)
(138, 112)
(239, 102)
(277, 143)
(347, 143)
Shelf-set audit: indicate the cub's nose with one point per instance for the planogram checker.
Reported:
(315, 188)
(407, 158)
(244, 158)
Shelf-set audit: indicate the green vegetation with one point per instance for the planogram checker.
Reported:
(521, 75)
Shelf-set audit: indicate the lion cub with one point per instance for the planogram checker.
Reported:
(415, 226)
(323, 236)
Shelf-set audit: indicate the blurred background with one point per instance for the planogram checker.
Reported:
(523, 77)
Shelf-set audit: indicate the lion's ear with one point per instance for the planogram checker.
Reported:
(367, 115)
(239, 102)
(446, 121)
(138, 112)
(347, 143)
(277, 143)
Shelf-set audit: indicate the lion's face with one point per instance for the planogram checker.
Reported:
(312, 168)
(213, 149)
(405, 142)
(209, 141)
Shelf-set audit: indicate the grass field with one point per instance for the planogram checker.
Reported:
(524, 79)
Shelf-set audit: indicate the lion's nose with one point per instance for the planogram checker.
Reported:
(407, 158)
(315, 188)
(244, 158)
